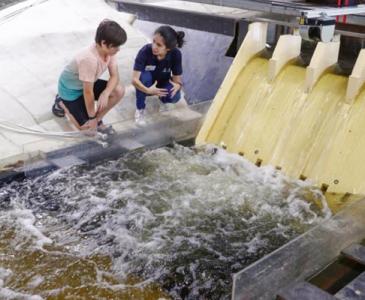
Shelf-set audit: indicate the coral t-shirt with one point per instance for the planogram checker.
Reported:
(86, 66)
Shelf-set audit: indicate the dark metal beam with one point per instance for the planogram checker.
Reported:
(289, 8)
(189, 19)
(227, 24)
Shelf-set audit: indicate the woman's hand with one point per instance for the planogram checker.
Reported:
(175, 88)
(153, 90)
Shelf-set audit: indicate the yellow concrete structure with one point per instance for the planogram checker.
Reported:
(325, 56)
(254, 43)
(299, 122)
(357, 78)
(287, 49)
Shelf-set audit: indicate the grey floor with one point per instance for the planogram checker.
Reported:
(6, 3)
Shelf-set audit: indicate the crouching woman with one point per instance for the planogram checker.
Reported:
(158, 70)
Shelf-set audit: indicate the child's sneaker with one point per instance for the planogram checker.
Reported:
(105, 129)
(139, 117)
(57, 109)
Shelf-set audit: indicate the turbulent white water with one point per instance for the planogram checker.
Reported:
(183, 218)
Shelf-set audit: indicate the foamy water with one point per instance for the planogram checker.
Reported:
(178, 219)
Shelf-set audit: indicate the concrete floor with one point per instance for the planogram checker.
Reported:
(36, 43)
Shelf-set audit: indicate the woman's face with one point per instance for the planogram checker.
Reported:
(158, 46)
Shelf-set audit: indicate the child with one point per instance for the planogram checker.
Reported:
(158, 69)
(79, 84)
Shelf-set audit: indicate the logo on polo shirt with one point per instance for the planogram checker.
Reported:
(150, 68)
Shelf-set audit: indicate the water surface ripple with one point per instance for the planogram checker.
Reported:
(182, 218)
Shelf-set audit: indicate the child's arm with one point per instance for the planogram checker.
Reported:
(89, 98)
(114, 78)
(89, 103)
(87, 70)
(111, 85)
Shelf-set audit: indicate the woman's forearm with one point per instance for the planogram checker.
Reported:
(140, 86)
(177, 79)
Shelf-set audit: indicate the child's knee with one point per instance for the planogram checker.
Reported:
(119, 92)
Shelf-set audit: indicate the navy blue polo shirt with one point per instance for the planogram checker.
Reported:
(161, 69)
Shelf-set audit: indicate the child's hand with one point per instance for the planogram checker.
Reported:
(175, 88)
(92, 124)
(153, 90)
(103, 101)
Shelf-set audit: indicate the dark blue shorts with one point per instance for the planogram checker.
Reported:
(77, 108)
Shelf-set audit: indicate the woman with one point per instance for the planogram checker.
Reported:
(158, 69)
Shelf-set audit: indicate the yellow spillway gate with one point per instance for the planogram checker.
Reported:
(308, 122)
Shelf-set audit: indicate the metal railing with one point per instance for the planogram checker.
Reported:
(301, 257)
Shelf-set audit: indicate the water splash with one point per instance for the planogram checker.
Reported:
(185, 218)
